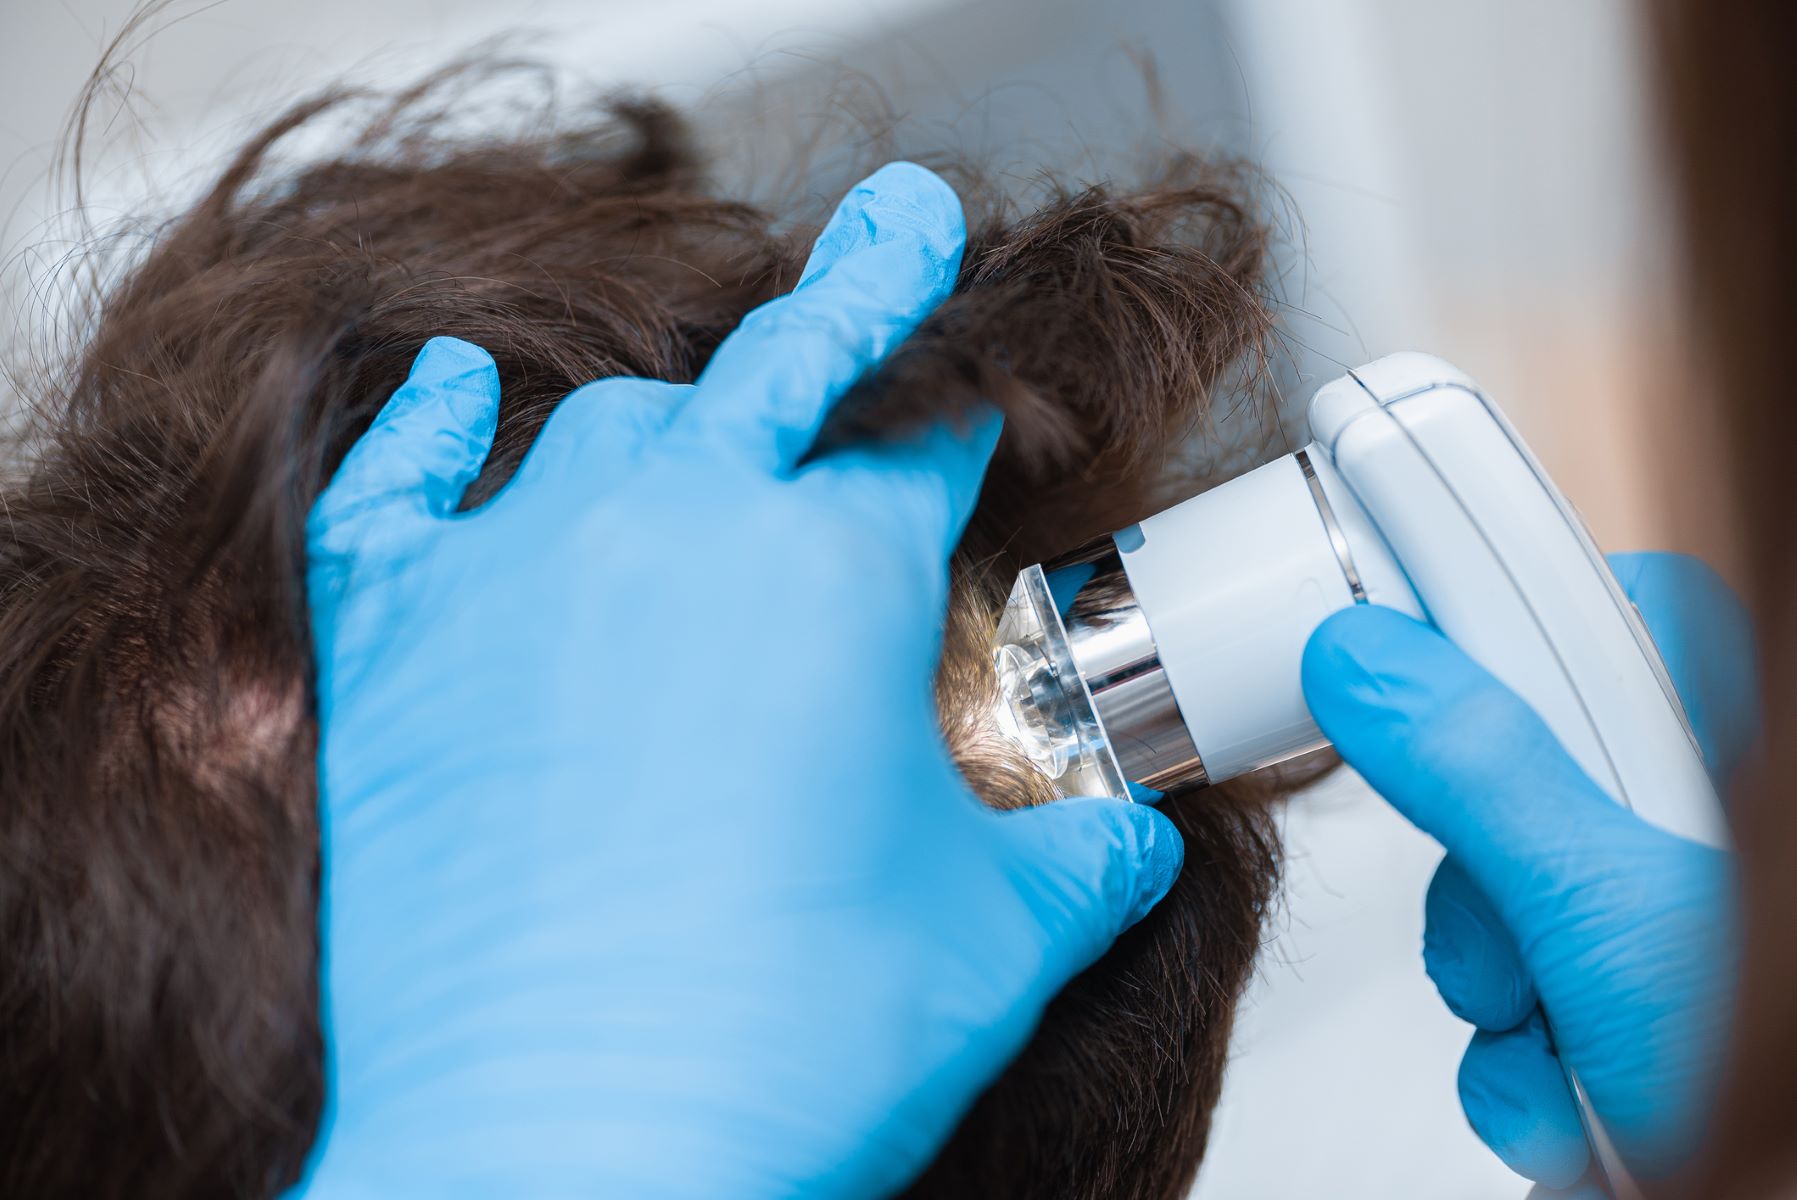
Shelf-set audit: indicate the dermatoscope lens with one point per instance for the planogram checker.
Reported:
(1034, 712)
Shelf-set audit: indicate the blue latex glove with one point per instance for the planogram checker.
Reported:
(647, 872)
(1551, 894)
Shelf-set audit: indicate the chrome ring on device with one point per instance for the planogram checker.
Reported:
(1115, 651)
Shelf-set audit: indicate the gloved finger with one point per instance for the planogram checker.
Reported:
(1706, 640)
(1460, 755)
(927, 483)
(1517, 1101)
(425, 446)
(1091, 867)
(888, 257)
(598, 430)
(1471, 956)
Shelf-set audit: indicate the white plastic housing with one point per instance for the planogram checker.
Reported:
(1232, 583)
(1505, 568)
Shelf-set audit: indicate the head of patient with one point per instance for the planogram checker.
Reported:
(159, 1026)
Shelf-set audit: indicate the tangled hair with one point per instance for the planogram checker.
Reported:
(159, 1029)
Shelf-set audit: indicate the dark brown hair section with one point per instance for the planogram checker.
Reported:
(1731, 100)
(158, 1011)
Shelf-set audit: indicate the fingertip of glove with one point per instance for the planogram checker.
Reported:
(1159, 853)
(463, 376)
(1143, 794)
(915, 184)
(447, 351)
(1515, 1097)
(903, 195)
(1365, 634)
(1479, 981)
(900, 203)
(1356, 654)
(1128, 853)
(443, 359)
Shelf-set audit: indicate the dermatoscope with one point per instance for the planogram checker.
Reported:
(1167, 654)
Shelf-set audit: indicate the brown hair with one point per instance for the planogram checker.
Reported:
(1732, 107)
(158, 1014)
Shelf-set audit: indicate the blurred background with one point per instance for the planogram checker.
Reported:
(1475, 178)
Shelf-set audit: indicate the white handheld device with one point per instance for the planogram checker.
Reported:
(1167, 655)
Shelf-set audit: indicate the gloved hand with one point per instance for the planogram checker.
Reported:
(1551, 893)
(646, 870)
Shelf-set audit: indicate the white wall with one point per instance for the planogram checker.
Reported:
(1479, 180)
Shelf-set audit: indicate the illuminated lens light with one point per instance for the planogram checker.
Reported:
(1034, 712)
(1042, 706)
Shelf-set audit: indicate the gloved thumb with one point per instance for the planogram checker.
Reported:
(1089, 868)
(1457, 752)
